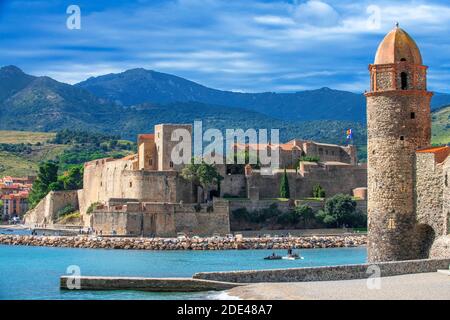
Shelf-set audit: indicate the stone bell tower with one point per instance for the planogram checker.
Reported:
(398, 123)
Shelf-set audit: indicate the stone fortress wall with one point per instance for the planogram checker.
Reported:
(432, 193)
(161, 219)
(45, 213)
(334, 178)
(107, 178)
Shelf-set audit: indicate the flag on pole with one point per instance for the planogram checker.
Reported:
(349, 134)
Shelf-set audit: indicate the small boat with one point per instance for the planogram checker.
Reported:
(293, 257)
(273, 257)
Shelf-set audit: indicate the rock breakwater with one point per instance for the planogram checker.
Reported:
(337, 241)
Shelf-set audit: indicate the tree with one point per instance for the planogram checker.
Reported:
(306, 213)
(340, 210)
(284, 186)
(318, 191)
(46, 180)
(73, 178)
(201, 175)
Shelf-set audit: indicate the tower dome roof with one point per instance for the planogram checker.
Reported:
(398, 46)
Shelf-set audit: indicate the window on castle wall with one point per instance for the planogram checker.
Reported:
(446, 180)
(403, 59)
(171, 164)
(402, 138)
(413, 115)
(150, 162)
(131, 184)
(404, 80)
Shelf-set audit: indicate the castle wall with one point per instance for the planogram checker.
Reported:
(329, 152)
(105, 179)
(333, 178)
(46, 212)
(429, 182)
(234, 185)
(165, 145)
(162, 219)
(446, 195)
(148, 158)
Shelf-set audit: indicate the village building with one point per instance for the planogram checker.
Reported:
(14, 195)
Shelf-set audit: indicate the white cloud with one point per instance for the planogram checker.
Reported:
(274, 20)
(316, 13)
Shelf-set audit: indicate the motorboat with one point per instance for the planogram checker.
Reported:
(293, 256)
(273, 257)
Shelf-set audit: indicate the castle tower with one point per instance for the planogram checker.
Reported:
(398, 123)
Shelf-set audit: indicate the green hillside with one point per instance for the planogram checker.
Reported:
(16, 137)
(15, 165)
(21, 152)
(441, 126)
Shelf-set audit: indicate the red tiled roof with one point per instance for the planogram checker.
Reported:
(440, 153)
(146, 136)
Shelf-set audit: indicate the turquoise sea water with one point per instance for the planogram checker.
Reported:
(33, 272)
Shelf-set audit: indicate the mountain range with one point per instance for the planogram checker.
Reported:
(133, 101)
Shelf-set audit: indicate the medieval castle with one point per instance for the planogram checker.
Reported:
(408, 189)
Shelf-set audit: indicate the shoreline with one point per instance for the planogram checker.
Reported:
(203, 243)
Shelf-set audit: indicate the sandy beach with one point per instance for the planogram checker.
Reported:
(434, 286)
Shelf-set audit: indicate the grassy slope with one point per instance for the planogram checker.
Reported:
(12, 165)
(22, 165)
(25, 136)
(16, 165)
(441, 126)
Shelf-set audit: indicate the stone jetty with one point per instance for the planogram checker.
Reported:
(204, 243)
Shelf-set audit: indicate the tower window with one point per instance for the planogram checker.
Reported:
(171, 164)
(402, 59)
(402, 138)
(150, 162)
(404, 79)
(391, 224)
(413, 115)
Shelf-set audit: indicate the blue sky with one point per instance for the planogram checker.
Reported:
(246, 45)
